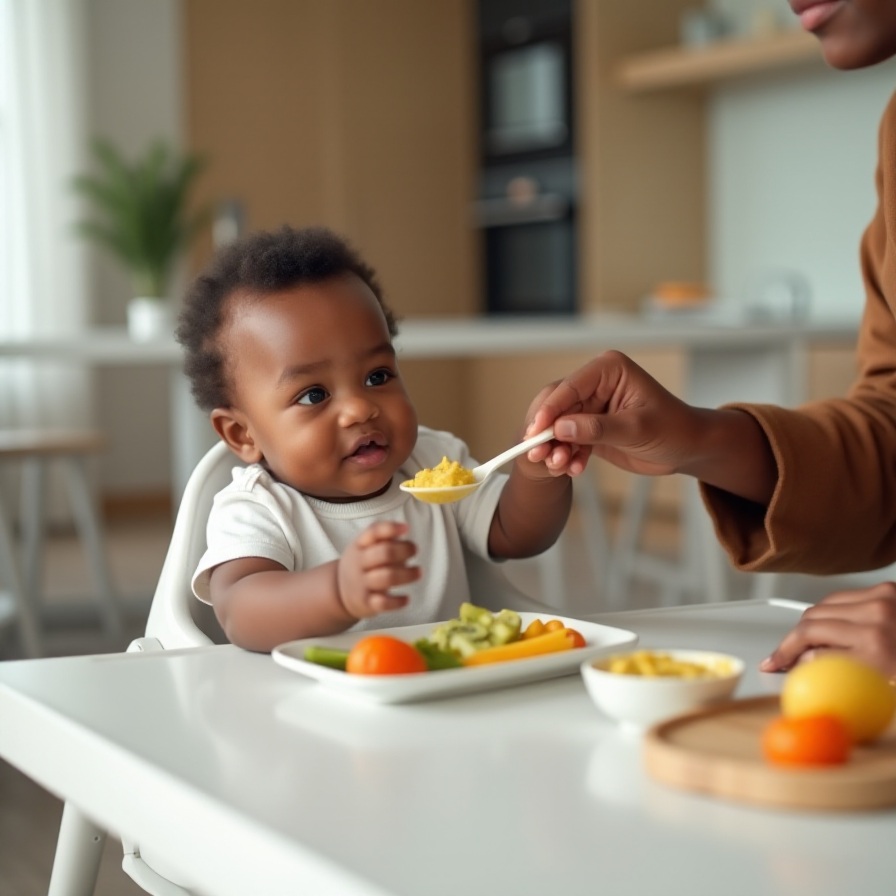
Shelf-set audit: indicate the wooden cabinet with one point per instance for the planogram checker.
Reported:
(641, 161)
(356, 115)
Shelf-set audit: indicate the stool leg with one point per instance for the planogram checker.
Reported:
(626, 548)
(29, 629)
(594, 528)
(31, 515)
(79, 850)
(87, 520)
(552, 575)
(705, 557)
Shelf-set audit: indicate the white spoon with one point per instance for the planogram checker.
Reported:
(450, 493)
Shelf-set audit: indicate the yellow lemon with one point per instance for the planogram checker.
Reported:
(838, 685)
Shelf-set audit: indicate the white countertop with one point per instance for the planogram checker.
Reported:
(257, 780)
(477, 336)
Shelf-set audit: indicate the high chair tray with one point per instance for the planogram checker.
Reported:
(599, 639)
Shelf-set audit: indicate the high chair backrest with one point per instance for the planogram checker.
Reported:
(174, 611)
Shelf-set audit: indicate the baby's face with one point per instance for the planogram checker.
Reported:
(317, 392)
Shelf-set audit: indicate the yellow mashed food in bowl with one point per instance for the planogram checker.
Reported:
(653, 664)
(446, 473)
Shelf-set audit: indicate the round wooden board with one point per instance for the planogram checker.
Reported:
(717, 750)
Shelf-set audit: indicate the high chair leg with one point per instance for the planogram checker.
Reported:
(78, 853)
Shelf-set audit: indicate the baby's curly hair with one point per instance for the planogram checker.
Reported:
(259, 264)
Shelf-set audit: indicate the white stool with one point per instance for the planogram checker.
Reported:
(553, 563)
(35, 450)
(701, 570)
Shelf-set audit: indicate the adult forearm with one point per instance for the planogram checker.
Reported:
(530, 515)
(732, 453)
(266, 608)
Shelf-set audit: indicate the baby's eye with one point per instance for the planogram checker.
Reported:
(314, 395)
(379, 377)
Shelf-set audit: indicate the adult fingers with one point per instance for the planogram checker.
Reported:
(872, 606)
(594, 383)
(811, 634)
(882, 591)
(534, 405)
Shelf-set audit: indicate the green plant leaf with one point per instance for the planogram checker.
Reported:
(140, 211)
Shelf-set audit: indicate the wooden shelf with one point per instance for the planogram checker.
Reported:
(686, 66)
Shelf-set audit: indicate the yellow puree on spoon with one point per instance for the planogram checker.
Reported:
(446, 473)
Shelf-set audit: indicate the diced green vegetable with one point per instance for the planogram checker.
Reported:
(435, 657)
(327, 656)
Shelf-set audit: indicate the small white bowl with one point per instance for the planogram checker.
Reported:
(639, 701)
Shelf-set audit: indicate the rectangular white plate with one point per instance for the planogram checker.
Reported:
(599, 639)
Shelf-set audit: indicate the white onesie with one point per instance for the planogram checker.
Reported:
(257, 516)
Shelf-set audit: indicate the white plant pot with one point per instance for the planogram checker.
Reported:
(149, 319)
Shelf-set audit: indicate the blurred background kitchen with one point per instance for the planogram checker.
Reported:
(661, 167)
(568, 160)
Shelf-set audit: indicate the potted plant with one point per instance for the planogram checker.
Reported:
(140, 213)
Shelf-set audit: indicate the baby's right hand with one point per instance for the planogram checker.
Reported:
(374, 562)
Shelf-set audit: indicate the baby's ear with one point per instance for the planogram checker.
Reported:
(230, 425)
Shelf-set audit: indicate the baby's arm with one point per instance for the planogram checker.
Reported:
(531, 513)
(260, 604)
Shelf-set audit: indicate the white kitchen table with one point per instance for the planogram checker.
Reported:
(253, 780)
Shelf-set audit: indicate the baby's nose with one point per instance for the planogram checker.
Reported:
(357, 409)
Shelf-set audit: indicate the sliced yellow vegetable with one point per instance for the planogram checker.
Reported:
(520, 650)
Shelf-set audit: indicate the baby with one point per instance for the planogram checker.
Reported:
(289, 348)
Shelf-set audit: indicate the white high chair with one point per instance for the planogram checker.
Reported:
(176, 620)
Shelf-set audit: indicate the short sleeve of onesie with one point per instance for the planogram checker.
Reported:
(248, 521)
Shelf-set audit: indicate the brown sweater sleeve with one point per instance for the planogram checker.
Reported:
(834, 507)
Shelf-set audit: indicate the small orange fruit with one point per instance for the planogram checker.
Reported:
(533, 629)
(384, 655)
(810, 740)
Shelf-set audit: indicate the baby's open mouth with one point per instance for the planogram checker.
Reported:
(369, 452)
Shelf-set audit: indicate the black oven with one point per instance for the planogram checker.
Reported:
(527, 194)
(527, 220)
